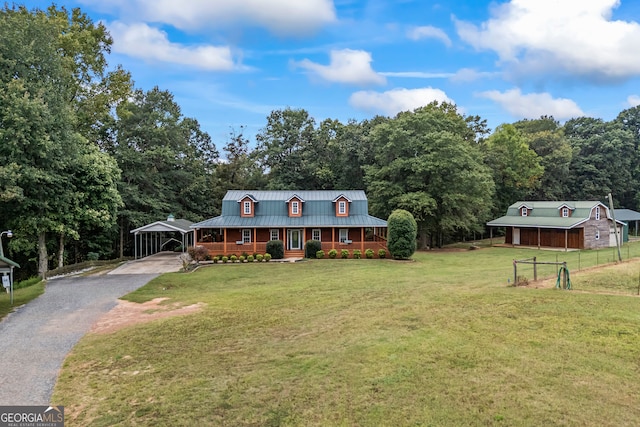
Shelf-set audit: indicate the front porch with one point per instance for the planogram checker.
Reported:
(254, 240)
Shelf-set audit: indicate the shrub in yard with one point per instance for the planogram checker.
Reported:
(369, 253)
(250, 258)
(357, 254)
(275, 248)
(225, 259)
(320, 254)
(241, 258)
(311, 247)
(402, 231)
(215, 259)
(267, 257)
(259, 257)
(233, 258)
(333, 253)
(344, 254)
(382, 253)
(198, 253)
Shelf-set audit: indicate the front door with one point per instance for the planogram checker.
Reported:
(294, 240)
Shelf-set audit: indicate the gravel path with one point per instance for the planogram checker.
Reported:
(35, 339)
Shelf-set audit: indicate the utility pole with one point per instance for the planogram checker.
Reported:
(615, 226)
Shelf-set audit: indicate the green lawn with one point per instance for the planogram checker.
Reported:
(439, 341)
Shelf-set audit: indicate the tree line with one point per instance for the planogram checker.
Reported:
(87, 157)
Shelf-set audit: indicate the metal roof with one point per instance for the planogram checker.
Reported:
(545, 214)
(626, 215)
(272, 221)
(180, 225)
(284, 195)
(6, 262)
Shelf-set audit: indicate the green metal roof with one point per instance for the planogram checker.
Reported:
(272, 221)
(6, 261)
(545, 214)
(271, 210)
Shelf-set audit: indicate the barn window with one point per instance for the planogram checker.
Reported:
(565, 212)
(525, 211)
(597, 213)
(597, 234)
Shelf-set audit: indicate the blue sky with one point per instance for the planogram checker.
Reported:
(229, 63)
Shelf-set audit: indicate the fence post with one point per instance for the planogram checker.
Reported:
(515, 272)
(535, 269)
(564, 275)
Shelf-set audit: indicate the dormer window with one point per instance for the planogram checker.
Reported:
(247, 206)
(295, 206)
(597, 213)
(525, 211)
(342, 205)
(565, 212)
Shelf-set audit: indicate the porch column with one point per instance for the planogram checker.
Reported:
(255, 240)
(333, 237)
(538, 237)
(224, 245)
(362, 240)
(284, 238)
(135, 245)
(566, 240)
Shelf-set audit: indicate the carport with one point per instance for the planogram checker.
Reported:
(628, 216)
(158, 236)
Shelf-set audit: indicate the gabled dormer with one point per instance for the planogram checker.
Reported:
(565, 211)
(294, 206)
(342, 203)
(247, 206)
(525, 210)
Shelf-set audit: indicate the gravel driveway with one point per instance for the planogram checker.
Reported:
(35, 339)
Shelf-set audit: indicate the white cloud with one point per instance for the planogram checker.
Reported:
(428, 32)
(534, 105)
(417, 74)
(396, 100)
(469, 75)
(346, 66)
(142, 41)
(573, 37)
(283, 17)
(633, 100)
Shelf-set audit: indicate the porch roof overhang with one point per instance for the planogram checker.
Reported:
(537, 222)
(6, 263)
(268, 221)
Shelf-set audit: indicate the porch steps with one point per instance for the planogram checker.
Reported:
(294, 254)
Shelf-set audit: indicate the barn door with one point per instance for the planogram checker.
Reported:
(516, 236)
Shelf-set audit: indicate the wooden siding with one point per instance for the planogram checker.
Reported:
(550, 238)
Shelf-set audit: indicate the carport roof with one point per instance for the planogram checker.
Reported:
(179, 225)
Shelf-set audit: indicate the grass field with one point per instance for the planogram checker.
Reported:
(440, 341)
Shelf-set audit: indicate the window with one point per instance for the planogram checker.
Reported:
(246, 236)
(565, 212)
(275, 234)
(525, 211)
(597, 234)
(344, 235)
(342, 207)
(315, 234)
(597, 213)
(294, 208)
(247, 208)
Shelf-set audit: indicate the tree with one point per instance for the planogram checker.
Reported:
(280, 148)
(402, 231)
(428, 163)
(603, 159)
(167, 161)
(46, 58)
(516, 168)
(546, 137)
